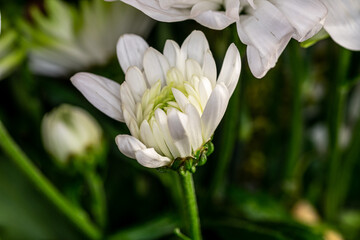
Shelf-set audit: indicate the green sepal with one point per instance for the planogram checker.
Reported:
(176, 164)
(197, 154)
(321, 35)
(210, 148)
(189, 163)
(202, 159)
(182, 171)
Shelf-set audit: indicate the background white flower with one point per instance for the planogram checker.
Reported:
(171, 102)
(343, 22)
(267, 26)
(66, 40)
(206, 12)
(12, 49)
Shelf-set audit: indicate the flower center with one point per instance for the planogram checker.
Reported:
(162, 97)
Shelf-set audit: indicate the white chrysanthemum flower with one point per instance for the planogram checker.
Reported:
(171, 102)
(343, 22)
(206, 12)
(67, 40)
(69, 131)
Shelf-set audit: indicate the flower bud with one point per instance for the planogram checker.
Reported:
(70, 134)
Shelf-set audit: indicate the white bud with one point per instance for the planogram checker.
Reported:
(69, 131)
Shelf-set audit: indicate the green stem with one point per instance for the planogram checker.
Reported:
(76, 215)
(193, 221)
(295, 142)
(336, 111)
(98, 201)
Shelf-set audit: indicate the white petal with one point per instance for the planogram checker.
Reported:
(130, 50)
(167, 4)
(251, 3)
(194, 127)
(195, 102)
(180, 98)
(136, 82)
(174, 76)
(343, 22)
(192, 93)
(205, 13)
(159, 138)
(232, 9)
(150, 158)
(177, 123)
(230, 71)
(161, 119)
(128, 145)
(209, 68)
(101, 92)
(259, 65)
(152, 8)
(306, 16)
(139, 113)
(171, 52)
(205, 90)
(131, 123)
(268, 32)
(195, 46)
(204, 6)
(147, 136)
(214, 110)
(127, 99)
(155, 66)
(192, 68)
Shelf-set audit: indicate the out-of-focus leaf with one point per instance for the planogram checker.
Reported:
(237, 229)
(240, 229)
(246, 126)
(25, 213)
(293, 230)
(257, 206)
(350, 224)
(154, 229)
